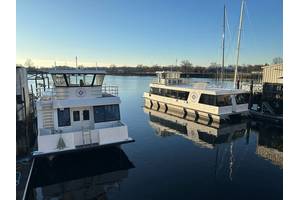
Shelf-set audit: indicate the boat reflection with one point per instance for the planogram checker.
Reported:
(86, 175)
(269, 143)
(207, 136)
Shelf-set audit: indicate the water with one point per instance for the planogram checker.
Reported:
(169, 160)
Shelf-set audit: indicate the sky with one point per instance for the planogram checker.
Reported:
(148, 32)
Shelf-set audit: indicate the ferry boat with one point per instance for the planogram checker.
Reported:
(79, 112)
(174, 95)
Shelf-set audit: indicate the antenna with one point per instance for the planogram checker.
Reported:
(238, 44)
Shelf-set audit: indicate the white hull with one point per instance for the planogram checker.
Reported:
(193, 111)
(82, 139)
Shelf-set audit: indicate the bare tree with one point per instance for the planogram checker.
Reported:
(277, 60)
(186, 65)
(28, 63)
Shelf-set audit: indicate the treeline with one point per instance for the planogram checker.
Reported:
(150, 70)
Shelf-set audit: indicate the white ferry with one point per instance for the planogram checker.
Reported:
(78, 113)
(174, 95)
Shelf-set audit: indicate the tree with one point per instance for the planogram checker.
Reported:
(277, 60)
(186, 65)
(28, 63)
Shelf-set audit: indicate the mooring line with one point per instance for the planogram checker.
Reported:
(28, 180)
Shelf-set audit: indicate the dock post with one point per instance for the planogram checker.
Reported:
(251, 95)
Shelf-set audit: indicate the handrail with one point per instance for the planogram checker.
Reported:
(62, 93)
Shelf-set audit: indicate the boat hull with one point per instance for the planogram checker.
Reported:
(184, 111)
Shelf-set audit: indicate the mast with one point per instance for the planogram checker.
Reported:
(223, 45)
(238, 44)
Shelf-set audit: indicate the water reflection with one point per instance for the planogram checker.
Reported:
(270, 143)
(86, 175)
(204, 135)
(229, 142)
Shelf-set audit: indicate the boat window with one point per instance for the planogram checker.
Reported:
(208, 99)
(99, 114)
(76, 116)
(183, 95)
(99, 80)
(176, 94)
(112, 112)
(80, 79)
(224, 100)
(59, 80)
(63, 117)
(86, 115)
(106, 113)
(242, 98)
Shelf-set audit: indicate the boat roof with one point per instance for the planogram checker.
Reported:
(168, 72)
(208, 89)
(76, 71)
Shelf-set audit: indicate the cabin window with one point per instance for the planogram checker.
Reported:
(176, 94)
(86, 115)
(76, 116)
(59, 80)
(63, 117)
(208, 99)
(224, 100)
(183, 95)
(98, 80)
(242, 98)
(106, 113)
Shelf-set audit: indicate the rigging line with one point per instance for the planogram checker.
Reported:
(250, 23)
(230, 46)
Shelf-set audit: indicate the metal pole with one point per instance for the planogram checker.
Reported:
(238, 44)
(223, 45)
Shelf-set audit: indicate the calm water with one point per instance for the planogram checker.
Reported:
(171, 159)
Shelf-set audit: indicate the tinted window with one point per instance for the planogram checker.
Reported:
(224, 100)
(86, 115)
(242, 98)
(112, 113)
(99, 112)
(106, 113)
(208, 99)
(76, 116)
(183, 95)
(63, 117)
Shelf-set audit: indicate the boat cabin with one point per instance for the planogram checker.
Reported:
(79, 110)
(169, 78)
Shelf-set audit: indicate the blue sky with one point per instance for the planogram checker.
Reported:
(131, 32)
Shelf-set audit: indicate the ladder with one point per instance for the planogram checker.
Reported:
(48, 121)
(86, 136)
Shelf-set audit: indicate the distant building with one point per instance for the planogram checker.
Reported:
(273, 74)
(273, 88)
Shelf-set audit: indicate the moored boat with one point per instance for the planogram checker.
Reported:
(177, 96)
(79, 112)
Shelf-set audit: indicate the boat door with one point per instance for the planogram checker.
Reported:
(81, 118)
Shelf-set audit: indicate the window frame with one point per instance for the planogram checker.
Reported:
(59, 119)
(83, 115)
(76, 111)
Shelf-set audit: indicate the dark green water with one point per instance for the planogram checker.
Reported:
(166, 161)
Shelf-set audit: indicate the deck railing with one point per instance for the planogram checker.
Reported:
(110, 90)
(63, 93)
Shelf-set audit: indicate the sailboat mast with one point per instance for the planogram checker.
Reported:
(223, 45)
(238, 44)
